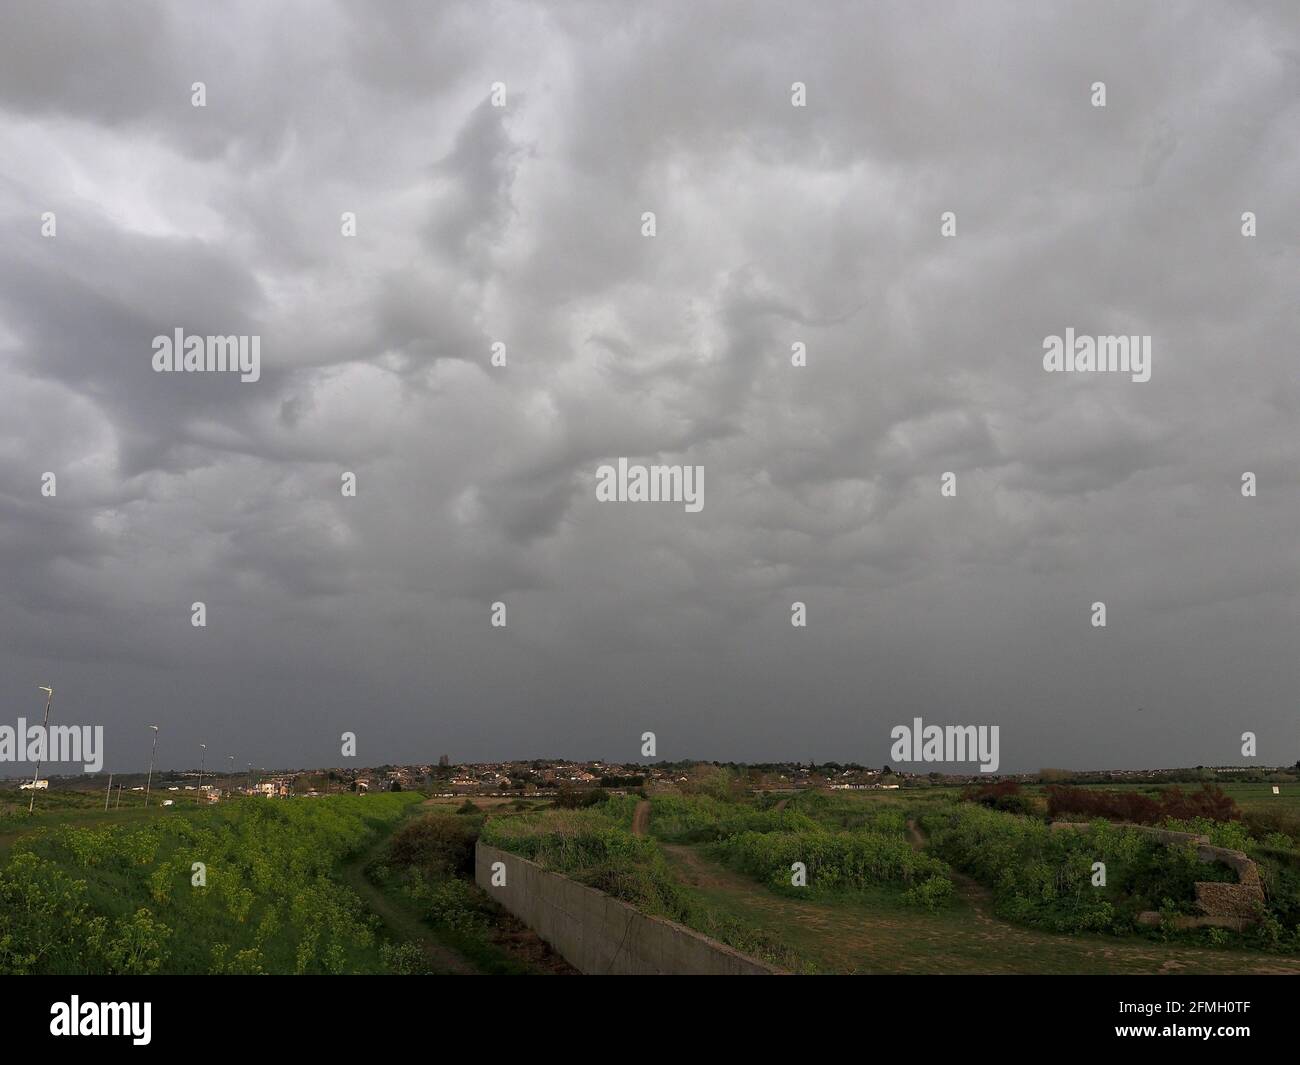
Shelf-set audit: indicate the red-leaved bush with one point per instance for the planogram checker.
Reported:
(1132, 806)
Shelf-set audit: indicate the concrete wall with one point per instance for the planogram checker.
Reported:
(598, 934)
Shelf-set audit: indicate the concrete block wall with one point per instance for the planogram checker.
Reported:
(598, 934)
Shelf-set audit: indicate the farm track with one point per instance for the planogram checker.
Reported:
(641, 818)
(401, 925)
(972, 891)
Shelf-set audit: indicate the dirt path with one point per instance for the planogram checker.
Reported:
(641, 818)
(401, 925)
(972, 891)
(877, 933)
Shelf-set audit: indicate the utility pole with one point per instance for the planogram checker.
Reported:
(149, 782)
(49, 698)
(118, 804)
(109, 793)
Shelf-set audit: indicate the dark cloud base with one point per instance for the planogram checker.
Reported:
(775, 225)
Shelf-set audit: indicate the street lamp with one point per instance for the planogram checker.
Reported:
(230, 784)
(149, 782)
(202, 758)
(49, 698)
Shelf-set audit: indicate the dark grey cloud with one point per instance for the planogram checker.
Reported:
(776, 225)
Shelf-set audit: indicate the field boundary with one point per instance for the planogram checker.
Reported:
(598, 934)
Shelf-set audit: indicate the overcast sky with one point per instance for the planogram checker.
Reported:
(775, 225)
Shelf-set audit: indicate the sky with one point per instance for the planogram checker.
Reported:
(774, 225)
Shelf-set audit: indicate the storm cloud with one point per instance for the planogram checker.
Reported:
(775, 225)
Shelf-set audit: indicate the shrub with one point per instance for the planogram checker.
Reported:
(579, 798)
(1210, 803)
(1000, 795)
(1044, 878)
(404, 959)
(931, 894)
(836, 861)
(705, 819)
(436, 842)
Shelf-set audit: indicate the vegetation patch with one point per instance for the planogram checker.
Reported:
(125, 899)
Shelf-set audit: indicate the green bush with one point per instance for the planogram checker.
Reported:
(436, 841)
(706, 819)
(1044, 878)
(837, 861)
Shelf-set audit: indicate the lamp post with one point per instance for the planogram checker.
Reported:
(202, 758)
(149, 781)
(49, 698)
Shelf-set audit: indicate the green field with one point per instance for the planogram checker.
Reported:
(915, 881)
(303, 886)
(124, 894)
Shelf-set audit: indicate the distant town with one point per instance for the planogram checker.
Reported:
(543, 777)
